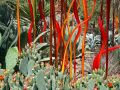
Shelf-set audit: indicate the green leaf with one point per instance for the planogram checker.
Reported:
(30, 66)
(34, 87)
(118, 39)
(53, 82)
(40, 82)
(41, 34)
(102, 87)
(66, 87)
(11, 58)
(82, 88)
(23, 66)
(46, 59)
(60, 75)
(42, 46)
(91, 84)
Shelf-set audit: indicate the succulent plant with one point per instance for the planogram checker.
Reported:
(35, 73)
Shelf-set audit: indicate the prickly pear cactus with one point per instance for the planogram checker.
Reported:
(30, 66)
(11, 58)
(23, 66)
(40, 82)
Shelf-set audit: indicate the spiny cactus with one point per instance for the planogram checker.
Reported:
(36, 73)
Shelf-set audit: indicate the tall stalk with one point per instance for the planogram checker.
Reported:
(31, 24)
(34, 14)
(107, 29)
(65, 44)
(61, 12)
(84, 34)
(70, 48)
(101, 10)
(51, 23)
(53, 18)
(18, 26)
(75, 10)
(113, 23)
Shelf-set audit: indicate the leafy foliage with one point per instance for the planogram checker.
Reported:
(31, 70)
(11, 58)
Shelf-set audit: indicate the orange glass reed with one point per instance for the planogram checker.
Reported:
(18, 26)
(84, 34)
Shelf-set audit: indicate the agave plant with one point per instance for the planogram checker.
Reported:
(93, 41)
(8, 30)
(117, 39)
